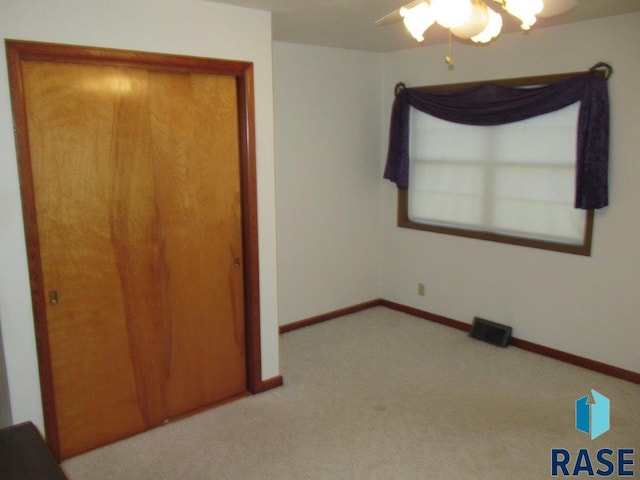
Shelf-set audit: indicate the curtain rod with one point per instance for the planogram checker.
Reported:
(601, 67)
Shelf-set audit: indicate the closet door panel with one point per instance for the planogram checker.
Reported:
(196, 169)
(97, 237)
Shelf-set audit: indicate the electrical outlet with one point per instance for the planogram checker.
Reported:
(421, 289)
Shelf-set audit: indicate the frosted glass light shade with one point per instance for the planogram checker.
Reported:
(417, 20)
(451, 13)
(493, 28)
(475, 24)
(525, 11)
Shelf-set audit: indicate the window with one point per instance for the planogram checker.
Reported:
(513, 183)
(516, 183)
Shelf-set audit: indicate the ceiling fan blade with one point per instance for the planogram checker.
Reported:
(395, 15)
(389, 18)
(553, 8)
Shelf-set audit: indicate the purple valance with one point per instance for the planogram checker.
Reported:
(492, 104)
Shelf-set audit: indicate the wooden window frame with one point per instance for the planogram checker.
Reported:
(584, 249)
(403, 220)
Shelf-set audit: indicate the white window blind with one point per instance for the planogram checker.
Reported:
(516, 179)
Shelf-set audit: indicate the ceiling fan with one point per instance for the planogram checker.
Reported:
(477, 20)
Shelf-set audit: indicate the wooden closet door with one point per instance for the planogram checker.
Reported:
(137, 244)
(197, 170)
(98, 244)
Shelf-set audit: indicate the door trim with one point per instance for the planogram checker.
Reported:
(20, 51)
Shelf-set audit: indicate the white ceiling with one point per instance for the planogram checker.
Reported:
(350, 23)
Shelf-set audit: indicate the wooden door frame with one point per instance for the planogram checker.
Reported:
(19, 51)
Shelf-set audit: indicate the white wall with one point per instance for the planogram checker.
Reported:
(5, 405)
(587, 306)
(189, 27)
(327, 123)
(325, 111)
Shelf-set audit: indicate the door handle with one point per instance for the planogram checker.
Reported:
(53, 297)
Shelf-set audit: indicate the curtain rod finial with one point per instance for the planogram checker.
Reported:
(608, 70)
(398, 88)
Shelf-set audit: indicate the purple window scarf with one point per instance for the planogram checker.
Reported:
(490, 104)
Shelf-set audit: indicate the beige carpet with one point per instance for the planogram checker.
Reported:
(383, 395)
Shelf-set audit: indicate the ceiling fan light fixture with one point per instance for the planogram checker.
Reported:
(451, 13)
(417, 19)
(476, 23)
(524, 10)
(494, 27)
(472, 19)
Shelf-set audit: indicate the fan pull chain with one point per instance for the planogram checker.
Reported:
(449, 58)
